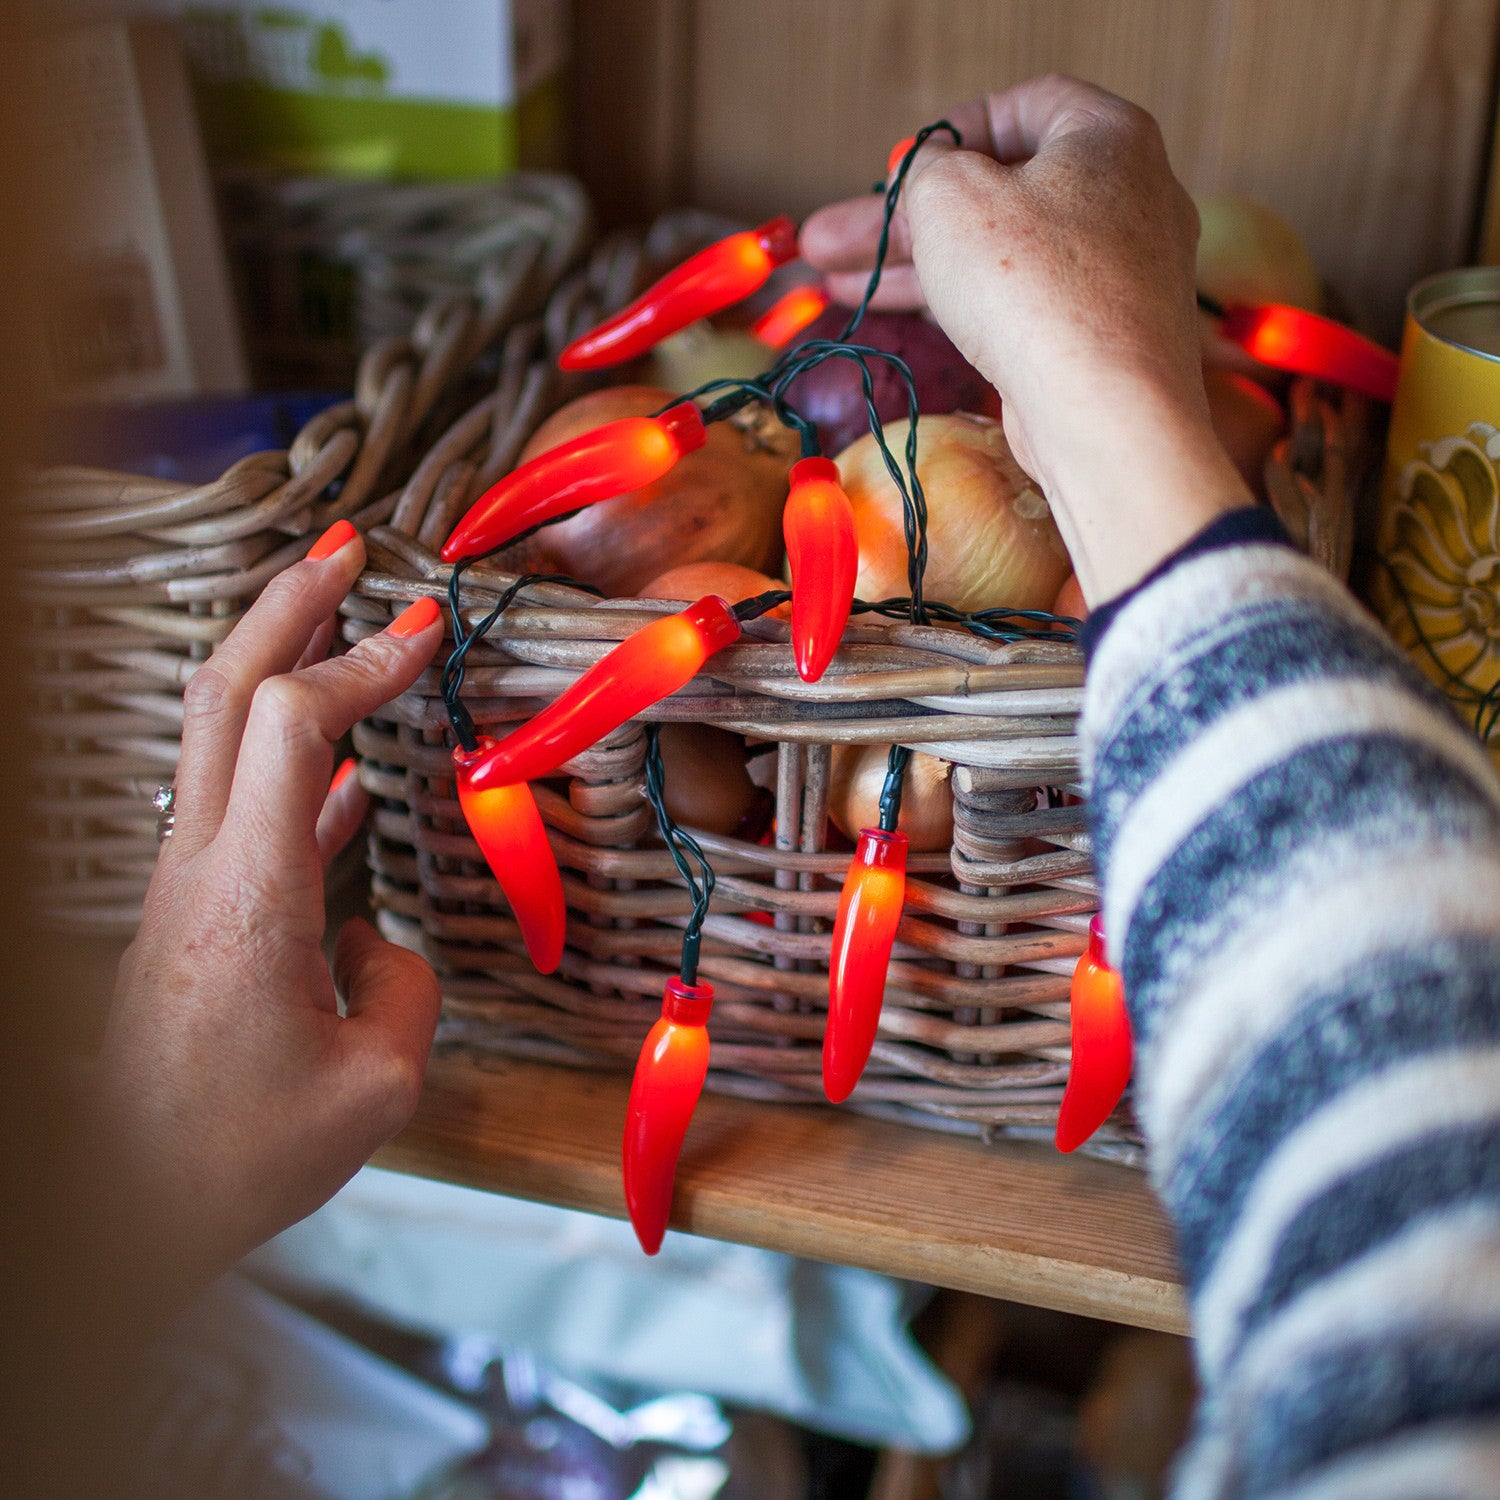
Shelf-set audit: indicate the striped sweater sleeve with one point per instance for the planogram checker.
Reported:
(1299, 849)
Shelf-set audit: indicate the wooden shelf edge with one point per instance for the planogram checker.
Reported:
(1011, 1221)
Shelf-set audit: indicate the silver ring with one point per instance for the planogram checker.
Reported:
(164, 800)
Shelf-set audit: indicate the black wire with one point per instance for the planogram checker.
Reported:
(809, 356)
(678, 840)
(987, 623)
(890, 792)
(892, 193)
(451, 682)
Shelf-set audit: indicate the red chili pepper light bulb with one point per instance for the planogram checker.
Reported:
(668, 1079)
(644, 668)
(898, 152)
(509, 831)
(1102, 1046)
(818, 525)
(1289, 338)
(611, 460)
(716, 277)
(789, 315)
(864, 932)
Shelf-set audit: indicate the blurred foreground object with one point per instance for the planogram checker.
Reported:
(136, 295)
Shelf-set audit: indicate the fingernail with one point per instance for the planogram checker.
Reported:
(414, 619)
(342, 775)
(340, 534)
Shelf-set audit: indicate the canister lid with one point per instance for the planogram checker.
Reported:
(1461, 308)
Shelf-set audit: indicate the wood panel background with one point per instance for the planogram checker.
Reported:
(1368, 123)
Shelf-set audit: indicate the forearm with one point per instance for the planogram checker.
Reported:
(1300, 855)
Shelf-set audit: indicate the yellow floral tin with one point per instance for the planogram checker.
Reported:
(1439, 589)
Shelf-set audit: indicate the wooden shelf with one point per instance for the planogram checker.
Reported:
(1012, 1221)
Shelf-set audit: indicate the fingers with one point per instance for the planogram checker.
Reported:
(1025, 120)
(343, 811)
(280, 780)
(899, 289)
(317, 647)
(277, 631)
(391, 1002)
(843, 236)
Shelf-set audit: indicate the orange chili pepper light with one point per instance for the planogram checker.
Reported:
(864, 931)
(818, 524)
(668, 1079)
(1101, 1045)
(785, 318)
(611, 460)
(705, 283)
(509, 831)
(898, 151)
(1288, 338)
(644, 668)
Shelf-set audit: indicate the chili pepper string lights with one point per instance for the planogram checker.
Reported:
(503, 817)
(716, 277)
(664, 655)
(1101, 1045)
(673, 1061)
(1303, 343)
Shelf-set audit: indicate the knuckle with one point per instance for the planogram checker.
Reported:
(208, 693)
(288, 587)
(283, 702)
(399, 1085)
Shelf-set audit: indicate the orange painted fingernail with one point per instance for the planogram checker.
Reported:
(414, 619)
(340, 534)
(342, 775)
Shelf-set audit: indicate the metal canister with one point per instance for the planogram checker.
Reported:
(1438, 585)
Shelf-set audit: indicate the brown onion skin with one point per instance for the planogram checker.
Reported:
(730, 581)
(831, 396)
(705, 782)
(1247, 420)
(991, 537)
(720, 504)
(856, 778)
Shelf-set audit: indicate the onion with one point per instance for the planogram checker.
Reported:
(1070, 600)
(1247, 253)
(705, 782)
(701, 352)
(722, 503)
(1247, 420)
(855, 782)
(830, 394)
(690, 581)
(991, 539)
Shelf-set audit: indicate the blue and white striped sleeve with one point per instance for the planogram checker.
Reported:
(1299, 849)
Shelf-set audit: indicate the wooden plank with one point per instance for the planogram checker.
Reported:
(1366, 122)
(1017, 1222)
(630, 105)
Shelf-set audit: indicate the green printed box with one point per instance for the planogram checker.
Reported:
(377, 88)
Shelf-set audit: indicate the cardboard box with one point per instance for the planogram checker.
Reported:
(377, 88)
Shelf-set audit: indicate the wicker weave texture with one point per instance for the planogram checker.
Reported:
(131, 581)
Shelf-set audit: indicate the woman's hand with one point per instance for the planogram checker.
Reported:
(238, 1098)
(1057, 252)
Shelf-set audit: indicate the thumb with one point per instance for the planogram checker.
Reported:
(391, 1000)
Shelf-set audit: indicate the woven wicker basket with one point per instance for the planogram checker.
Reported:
(974, 1033)
(133, 581)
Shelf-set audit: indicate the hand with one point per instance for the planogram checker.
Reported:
(237, 1096)
(1057, 252)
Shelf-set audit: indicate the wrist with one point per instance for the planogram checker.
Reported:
(1133, 473)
